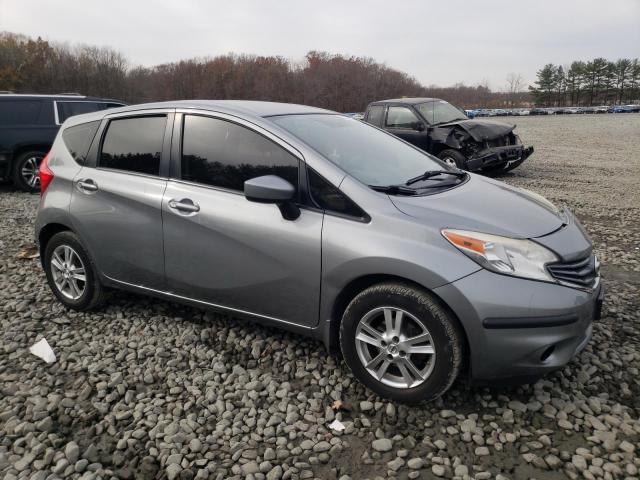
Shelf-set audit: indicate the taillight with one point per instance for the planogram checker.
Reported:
(46, 175)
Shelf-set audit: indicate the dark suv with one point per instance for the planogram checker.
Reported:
(443, 130)
(28, 126)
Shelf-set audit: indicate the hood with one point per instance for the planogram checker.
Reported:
(482, 130)
(488, 206)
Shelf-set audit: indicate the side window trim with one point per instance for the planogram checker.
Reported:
(96, 145)
(243, 123)
(177, 138)
(165, 156)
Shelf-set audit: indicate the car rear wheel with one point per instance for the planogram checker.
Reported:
(453, 158)
(401, 343)
(25, 171)
(71, 274)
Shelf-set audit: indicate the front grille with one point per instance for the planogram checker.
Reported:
(582, 273)
(498, 142)
(503, 141)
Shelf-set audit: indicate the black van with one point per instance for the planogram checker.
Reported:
(28, 126)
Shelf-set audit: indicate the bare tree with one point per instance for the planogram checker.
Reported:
(338, 82)
(515, 85)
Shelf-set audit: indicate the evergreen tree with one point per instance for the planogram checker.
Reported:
(544, 86)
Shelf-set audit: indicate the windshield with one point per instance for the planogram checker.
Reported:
(440, 111)
(372, 156)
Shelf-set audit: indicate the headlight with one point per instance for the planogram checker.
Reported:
(509, 256)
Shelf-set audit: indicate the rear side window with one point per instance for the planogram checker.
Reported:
(401, 117)
(134, 144)
(78, 139)
(223, 154)
(374, 116)
(69, 109)
(330, 199)
(19, 112)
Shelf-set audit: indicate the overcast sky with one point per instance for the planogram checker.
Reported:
(439, 42)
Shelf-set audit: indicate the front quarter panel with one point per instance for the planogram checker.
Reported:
(391, 244)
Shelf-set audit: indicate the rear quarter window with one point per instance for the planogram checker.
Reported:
(19, 112)
(78, 139)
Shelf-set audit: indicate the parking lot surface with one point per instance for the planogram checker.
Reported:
(148, 389)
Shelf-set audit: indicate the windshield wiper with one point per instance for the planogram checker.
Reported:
(434, 173)
(393, 189)
(448, 121)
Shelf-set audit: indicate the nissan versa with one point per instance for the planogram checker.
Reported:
(318, 223)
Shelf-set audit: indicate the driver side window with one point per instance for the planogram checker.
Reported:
(401, 117)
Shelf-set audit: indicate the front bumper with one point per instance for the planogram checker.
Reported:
(519, 329)
(508, 157)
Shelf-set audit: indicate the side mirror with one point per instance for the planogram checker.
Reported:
(419, 126)
(273, 189)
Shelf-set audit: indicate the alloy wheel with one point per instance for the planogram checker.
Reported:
(30, 171)
(395, 347)
(68, 272)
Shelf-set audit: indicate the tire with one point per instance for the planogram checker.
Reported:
(453, 158)
(92, 294)
(25, 171)
(369, 309)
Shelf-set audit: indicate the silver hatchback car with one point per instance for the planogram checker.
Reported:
(309, 220)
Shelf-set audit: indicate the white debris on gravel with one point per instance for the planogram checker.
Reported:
(337, 425)
(41, 349)
(147, 389)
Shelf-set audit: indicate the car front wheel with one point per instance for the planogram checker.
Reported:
(401, 343)
(453, 158)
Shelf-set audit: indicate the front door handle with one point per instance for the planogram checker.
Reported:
(185, 205)
(87, 186)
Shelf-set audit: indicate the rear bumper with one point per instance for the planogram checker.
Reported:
(519, 330)
(508, 157)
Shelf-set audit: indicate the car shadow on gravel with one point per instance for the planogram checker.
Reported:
(463, 396)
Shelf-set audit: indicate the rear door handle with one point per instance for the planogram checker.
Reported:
(87, 186)
(185, 205)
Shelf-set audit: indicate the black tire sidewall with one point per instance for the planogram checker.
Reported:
(458, 157)
(443, 329)
(91, 284)
(18, 180)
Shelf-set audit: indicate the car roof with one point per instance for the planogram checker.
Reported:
(411, 100)
(243, 107)
(60, 96)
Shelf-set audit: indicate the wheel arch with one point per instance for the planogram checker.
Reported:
(46, 233)
(21, 149)
(357, 285)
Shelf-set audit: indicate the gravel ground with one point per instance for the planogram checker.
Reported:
(149, 389)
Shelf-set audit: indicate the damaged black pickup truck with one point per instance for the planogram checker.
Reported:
(445, 131)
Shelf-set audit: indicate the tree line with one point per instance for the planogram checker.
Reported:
(337, 82)
(596, 82)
